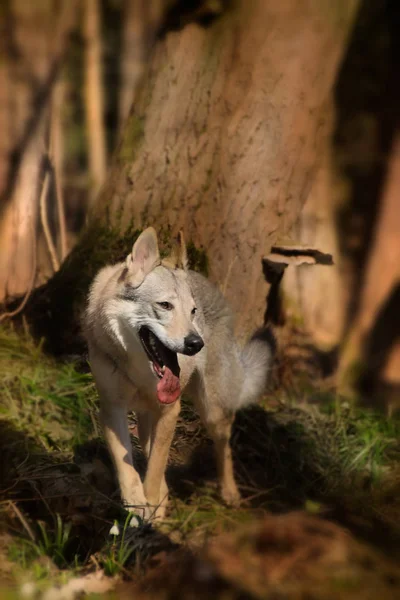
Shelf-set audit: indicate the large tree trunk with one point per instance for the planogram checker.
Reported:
(226, 135)
(367, 150)
(373, 343)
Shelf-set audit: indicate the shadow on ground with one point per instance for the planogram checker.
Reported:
(37, 485)
(284, 460)
(280, 467)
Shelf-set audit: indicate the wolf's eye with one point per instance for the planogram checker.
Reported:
(165, 305)
(194, 310)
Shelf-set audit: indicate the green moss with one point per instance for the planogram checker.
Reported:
(197, 257)
(132, 139)
(198, 260)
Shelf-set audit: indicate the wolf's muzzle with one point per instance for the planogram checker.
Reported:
(193, 343)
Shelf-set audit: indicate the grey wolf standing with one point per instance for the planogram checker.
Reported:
(154, 329)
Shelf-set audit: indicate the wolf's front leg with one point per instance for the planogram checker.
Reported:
(116, 432)
(155, 486)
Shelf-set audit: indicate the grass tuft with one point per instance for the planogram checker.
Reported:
(52, 543)
(54, 402)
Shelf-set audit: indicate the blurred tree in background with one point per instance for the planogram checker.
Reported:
(247, 124)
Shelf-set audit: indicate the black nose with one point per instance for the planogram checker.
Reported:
(193, 344)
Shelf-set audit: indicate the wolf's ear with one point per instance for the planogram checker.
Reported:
(144, 256)
(178, 258)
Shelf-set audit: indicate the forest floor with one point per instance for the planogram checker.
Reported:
(320, 480)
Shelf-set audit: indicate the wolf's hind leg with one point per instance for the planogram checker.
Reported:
(218, 422)
(220, 430)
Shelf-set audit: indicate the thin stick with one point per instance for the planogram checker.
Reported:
(22, 519)
(45, 223)
(56, 154)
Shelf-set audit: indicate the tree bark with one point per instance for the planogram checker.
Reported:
(131, 55)
(374, 338)
(36, 41)
(142, 20)
(367, 150)
(316, 292)
(226, 135)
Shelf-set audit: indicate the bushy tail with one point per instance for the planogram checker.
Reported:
(257, 357)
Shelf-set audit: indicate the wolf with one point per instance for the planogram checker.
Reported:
(154, 329)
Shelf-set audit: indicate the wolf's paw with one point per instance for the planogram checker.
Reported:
(139, 510)
(146, 513)
(137, 504)
(231, 496)
(157, 511)
(158, 514)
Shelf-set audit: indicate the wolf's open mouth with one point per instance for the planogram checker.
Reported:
(165, 366)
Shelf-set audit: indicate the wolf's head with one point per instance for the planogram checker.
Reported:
(160, 309)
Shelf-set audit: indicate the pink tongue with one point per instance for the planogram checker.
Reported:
(168, 388)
